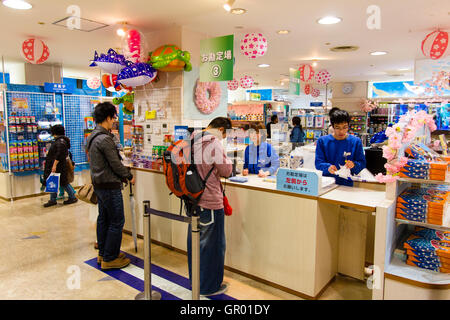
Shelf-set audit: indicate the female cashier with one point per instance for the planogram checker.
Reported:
(260, 158)
(340, 149)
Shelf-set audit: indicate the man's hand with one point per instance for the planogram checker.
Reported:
(245, 172)
(332, 169)
(349, 164)
(263, 174)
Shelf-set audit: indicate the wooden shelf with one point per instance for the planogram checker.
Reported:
(423, 181)
(423, 224)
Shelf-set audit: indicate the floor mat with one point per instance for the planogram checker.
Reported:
(172, 286)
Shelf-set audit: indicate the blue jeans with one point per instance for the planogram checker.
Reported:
(212, 250)
(110, 223)
(70, 191)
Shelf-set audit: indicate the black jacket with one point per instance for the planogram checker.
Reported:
(107, 170)
(59, 150)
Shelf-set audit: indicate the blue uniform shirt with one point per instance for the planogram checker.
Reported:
(330, 151)
(261, 157)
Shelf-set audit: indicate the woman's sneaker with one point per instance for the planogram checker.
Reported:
(223, 288)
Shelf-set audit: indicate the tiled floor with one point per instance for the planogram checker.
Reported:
(44, 250)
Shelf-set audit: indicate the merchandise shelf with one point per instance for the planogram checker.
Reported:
(399, 268)
(424, 181)
(422, 224)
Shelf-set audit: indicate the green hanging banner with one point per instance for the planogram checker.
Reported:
(217, 59)
(294, 81)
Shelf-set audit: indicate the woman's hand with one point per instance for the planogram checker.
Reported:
(349, 164)
(245, 172)
(332, 169)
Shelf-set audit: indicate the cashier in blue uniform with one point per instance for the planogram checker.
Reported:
(260, 157)
(340, 149)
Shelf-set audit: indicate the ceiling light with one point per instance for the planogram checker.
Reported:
(403, 69)
(329, 20)
(228, 4)
(263, 65)
(314, 64)
(378, 53)
(122, 31)
(283, 31)
(238, 11)
(17, 4)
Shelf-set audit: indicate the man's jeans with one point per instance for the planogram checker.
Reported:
(110, 223)
(70, 191)
(212, 250)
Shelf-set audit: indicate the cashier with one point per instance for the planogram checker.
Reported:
(340, 149)
(260, 157)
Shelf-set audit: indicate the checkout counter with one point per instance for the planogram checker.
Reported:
(294, 242)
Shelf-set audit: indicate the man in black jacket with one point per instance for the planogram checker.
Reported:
(107, 174)
(55, 162)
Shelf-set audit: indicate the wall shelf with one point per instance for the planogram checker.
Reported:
(422, 224)
(424, 181)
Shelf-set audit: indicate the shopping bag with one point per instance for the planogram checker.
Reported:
(52, 183)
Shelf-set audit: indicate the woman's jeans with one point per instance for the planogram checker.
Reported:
(110, 222)
(212, 250)
(70, 191)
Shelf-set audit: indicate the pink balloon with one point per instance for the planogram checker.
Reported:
(134, 45)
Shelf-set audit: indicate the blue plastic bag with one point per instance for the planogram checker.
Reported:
(52, 183)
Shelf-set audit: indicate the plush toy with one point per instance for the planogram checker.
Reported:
(170, 58)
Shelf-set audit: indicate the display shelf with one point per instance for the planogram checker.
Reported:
(400, 269)
(424, 181)
(422, 224)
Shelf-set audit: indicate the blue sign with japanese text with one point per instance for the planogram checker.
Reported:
(181, 133)
(298, 181)
(57, 87)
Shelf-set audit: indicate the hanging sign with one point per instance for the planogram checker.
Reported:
(216, 59)
(57, 88)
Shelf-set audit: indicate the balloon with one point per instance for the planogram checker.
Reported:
(232, 85)
(93, 83)
(134, 46)
(307, 89)
(170, 58)
(138, 74)
(323, 77)
(35, 51)
(306, 72)
(315, 93)
(435, 45)
(254, 45)
(111, 62)
(246, 82)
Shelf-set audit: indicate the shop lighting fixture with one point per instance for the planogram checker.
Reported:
(238, 11)
(329, 20)
(283, 31)
(122, 31)
(228, 4)
(263, 65)
(17, 4)
(314, 64)
(378, 53)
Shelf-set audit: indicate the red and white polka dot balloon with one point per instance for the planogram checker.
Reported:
(35, 51)
(307, 89)
(246, 82)
(323, 77)
(93, 83)
(435, 45)
(233, 85)
(253, 45)
(315, 93)
(306, 72)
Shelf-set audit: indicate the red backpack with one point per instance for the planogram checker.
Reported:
(182, 176)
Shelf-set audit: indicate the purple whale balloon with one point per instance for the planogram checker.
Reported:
(137, 74)
(112, 62)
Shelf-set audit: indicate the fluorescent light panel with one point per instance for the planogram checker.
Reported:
(17, 4)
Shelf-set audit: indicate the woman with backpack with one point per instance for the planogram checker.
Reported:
(56, 162)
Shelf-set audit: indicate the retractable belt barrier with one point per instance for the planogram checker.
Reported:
(148, 293)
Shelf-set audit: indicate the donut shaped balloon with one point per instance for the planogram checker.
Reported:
(306, 72)
(246, 82)
(35, 51)
(205, 104)
(315, 93)
(323, 77)
(232, 85)
(435, 45)
(307, 89)
(253, 45)
(93, 83)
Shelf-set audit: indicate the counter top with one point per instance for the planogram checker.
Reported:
(358, 198)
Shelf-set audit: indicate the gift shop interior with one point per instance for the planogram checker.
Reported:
(336, 125)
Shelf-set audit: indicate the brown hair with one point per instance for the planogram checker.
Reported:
(260, 129)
